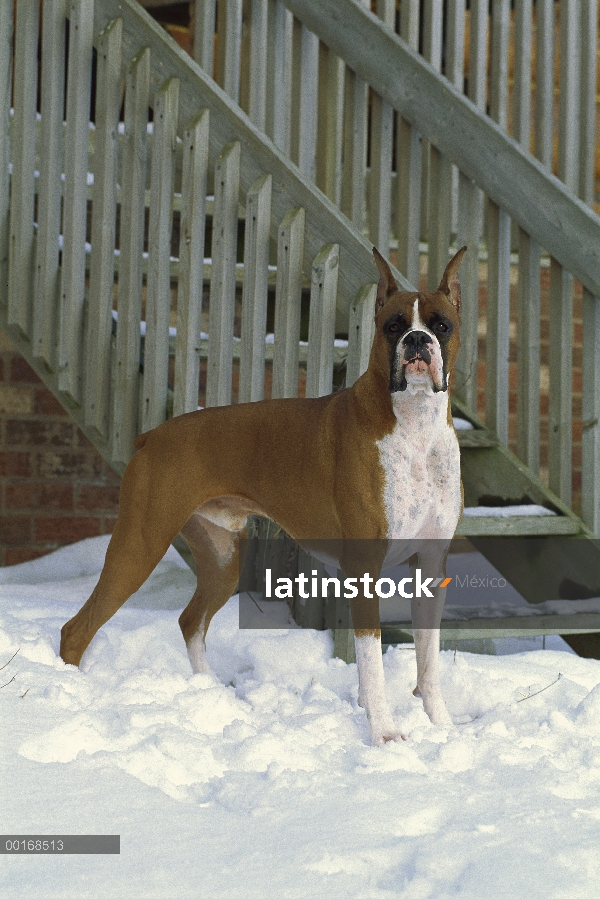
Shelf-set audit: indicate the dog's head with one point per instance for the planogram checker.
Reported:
(418, 332)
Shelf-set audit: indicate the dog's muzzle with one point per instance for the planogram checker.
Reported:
(419, 364)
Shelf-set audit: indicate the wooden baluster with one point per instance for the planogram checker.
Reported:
(102, 262)
(288, 299)
(131, 245)
(191, 264)
(222, 287)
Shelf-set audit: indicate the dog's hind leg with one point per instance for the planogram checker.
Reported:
(148, 521)
(217, 554)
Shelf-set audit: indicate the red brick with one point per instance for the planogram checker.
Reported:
(14, 530)
(14, 556)
(45, 403)
(20, 496)
(64, 529)
(15, 465)
(58, 497)
(27, 432)
(92, 498)
(22, 372)
(78, 464)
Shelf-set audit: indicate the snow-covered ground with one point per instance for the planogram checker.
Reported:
(262, 783)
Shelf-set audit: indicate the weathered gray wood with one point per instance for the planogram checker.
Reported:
(305, 123)
(289, 190)
(288, 297)
(455, 72)
(279, 64)
(127, 356)
(23, 161)
(469, 225)
(516, 182)
(6, 25)
(257, 109)
(158, 291)
(528, 353)
(561, 387)
(356, 99)
(587, 105)
(478, 60)
(222, 288)
(229, 26)
(544, 82)
(321, 326)
(379, 202)
(522, 83)
(569, 96)
(409, 160)
(498, 317)
(47, 279)
(476, 439)
(343, 637)
(102, 263)
(70, 354)
(440, 215)
(331, 111)
(516, 526)
(361, 330)
(255, 292)
(191, 254)
(380, 184)
(432, 33)
(500, 34)
(590, 414)
(204, 34)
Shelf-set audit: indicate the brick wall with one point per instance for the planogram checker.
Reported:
(55, 488)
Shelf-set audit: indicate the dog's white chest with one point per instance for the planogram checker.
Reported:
(422, 494)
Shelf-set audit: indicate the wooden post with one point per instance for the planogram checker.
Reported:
(133, 194)
(158, 291)
(222, 288)
(70, 357)
(47, 274)
(288, 299)
(102, 263)
(255, 290)
(23, 163)
(191, 263)
(321, 328)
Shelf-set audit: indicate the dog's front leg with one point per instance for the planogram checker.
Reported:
(427, 646)
(371, 687)
(427, 616)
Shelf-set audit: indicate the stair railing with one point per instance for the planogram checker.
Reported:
(420, 167)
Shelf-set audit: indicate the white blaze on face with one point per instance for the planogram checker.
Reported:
(421, 375)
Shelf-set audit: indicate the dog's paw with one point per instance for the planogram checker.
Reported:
(388, 734)
(435, 707)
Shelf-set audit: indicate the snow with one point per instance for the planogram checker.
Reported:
(262, 782)
(506, 511)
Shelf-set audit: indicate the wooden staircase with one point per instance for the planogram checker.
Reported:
(84, 260)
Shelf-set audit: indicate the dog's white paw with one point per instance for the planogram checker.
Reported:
(435, 707)
(385, 733)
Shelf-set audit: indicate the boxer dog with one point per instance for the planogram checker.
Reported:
(373, 463)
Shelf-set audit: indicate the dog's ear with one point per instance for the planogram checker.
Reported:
(387, 285)
(450, 285)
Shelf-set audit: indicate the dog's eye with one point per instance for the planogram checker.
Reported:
(394, 327)
(441, 327)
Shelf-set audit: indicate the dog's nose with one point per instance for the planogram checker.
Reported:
(415, 342)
